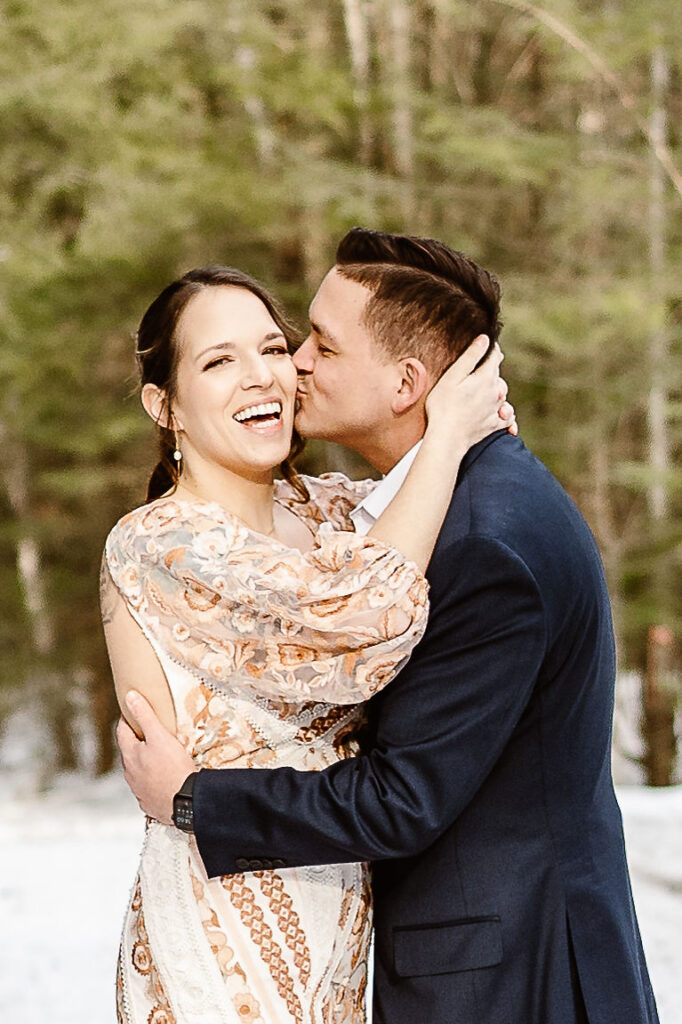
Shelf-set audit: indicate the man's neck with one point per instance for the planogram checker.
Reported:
(385, 451)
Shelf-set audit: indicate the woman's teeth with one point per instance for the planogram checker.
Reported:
(267, 410)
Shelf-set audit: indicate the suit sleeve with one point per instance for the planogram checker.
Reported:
(441, 726)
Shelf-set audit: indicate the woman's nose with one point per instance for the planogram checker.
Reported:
(257, 373)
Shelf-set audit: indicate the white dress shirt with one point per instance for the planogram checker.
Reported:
(365, 515)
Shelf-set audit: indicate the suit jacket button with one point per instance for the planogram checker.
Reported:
(255, 864)
(241, 864)
(267, 864)
(279, 863)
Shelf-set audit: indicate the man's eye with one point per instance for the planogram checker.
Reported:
(324, 351)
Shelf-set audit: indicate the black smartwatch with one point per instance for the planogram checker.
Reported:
(183, 805)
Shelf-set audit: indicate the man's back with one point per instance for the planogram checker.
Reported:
(520, 907)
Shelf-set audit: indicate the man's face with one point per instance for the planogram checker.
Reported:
(345, 381)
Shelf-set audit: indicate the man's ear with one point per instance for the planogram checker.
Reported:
(155, 402)
(414, 383)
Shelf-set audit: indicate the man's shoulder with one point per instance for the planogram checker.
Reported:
(506, 494)
(503, 475)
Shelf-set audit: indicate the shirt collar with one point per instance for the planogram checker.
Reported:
(378, 499)
(366, 513)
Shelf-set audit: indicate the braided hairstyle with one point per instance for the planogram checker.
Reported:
(157, 351)
(427, 301)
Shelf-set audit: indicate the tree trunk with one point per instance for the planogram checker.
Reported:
(658, 722)
(607, 532)
(316, 257)
(399, 83)
(105, 713)
(357, 34)
(440, 69)
(659, 350)
(47, 687)
(659, 695)
(246, 57)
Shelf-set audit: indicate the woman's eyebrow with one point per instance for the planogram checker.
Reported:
(223, 346)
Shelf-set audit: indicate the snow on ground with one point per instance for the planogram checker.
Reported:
(68, 858)
(653, 835)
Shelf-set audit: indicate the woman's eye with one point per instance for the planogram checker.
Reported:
(218, 361)
(277, 350)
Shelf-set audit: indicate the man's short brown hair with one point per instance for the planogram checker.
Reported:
(428, 300)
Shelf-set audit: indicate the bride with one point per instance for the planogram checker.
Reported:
(256, 623)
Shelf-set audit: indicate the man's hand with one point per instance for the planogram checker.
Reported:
(156, 766)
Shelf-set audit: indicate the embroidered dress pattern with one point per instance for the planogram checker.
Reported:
(268, 653)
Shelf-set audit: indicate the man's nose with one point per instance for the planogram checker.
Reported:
(303, 356)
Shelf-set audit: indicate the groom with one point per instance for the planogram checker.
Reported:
(486, 802)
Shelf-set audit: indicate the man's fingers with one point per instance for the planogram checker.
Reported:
(124, 734)
(143, 713)
(126, 739)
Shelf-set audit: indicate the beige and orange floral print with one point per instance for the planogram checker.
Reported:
(268, 653)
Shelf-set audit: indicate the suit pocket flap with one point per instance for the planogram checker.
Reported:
(445, 948)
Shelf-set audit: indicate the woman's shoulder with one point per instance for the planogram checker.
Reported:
(170, 522)
(332, 497)
(153, 518)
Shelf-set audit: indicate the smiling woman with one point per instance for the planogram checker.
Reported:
(173, 320)
(256, 622)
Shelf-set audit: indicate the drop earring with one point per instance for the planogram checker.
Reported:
(177, 454)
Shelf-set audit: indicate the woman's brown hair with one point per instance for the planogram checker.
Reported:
(157, 352)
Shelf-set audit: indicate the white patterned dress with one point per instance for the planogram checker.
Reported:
(268, 653)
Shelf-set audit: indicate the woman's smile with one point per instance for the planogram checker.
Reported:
(264, 417)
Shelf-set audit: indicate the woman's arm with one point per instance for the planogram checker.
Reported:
(334, 624)
(463, 407)
(134, 663)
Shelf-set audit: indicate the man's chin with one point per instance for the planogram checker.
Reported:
(310, 424)
(302, 425)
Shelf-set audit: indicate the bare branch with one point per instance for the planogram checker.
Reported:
(604, 72)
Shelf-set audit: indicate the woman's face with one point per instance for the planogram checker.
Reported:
(236, 384)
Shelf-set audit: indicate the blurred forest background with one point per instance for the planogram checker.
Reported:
(140, 139)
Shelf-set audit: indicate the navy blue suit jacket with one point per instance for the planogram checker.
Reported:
(486, 803)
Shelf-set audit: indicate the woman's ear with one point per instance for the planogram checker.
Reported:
(413, 385)
(155, 405)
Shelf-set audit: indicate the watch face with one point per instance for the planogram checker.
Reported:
(183, 816)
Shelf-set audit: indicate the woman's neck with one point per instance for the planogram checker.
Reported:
(251, 500)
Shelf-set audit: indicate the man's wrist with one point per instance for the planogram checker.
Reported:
(183, 804)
